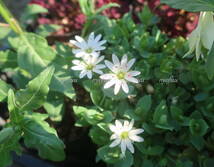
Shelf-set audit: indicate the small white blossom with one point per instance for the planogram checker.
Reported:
(89, 47)
(120, 74)
(89, 65)
(124, 135)
(203, 35)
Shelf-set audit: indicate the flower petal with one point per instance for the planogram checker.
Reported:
(102, 42)
(131, 79)
(131, 124)
(109, 84)
(136, 138)
(113, 128)
(97, 71)
(83, 73)
(115, 60)
(114, 136)
(125, 87)
(117, 87)
(133, 73)
(130, 64)
(123, 146)
(130, 146)
(109, 65)
(118, 124)
(98, 37)
(79, 39)
(77, 68)
(89, 74)
(107, 76)
(76, 62)
(115, 143)
(101, 58)
(136, 132)
(124, 61)
(91, 37)
(100, 66)
(75, 43)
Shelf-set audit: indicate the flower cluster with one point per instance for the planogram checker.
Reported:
(89, 62)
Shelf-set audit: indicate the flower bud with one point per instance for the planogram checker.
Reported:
(202, 36)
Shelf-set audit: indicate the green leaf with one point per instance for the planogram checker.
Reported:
(127, 161)
(198, 142)
(4, 88)
(39, 135)
(62, 83)
(191, 5)
(97, 96)
(87, 7)
(208, 162)
(98, 136)
(47, 29)
(109, 155)
(210, 63)
(198, 127)
(8, 59)
(148, 163)
(146, 16)
(34, 55)
(6, 134)
(36, 91)
(183, 163)
(31, 11)
(5, 32)
(143, 106)
(150, 150)
(12, 144)
(54, 106)
(15, 115)
(107, 6)
(160, 117)
(91, 116)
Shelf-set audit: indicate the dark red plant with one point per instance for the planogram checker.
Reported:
(68, 14)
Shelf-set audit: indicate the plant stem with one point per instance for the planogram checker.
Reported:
(8, 17)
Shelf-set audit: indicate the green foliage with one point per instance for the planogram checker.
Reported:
(210, 63)
(173, 102)
(38, 134)
(28, 125)
(46, 29)
(4, 88)
(31, 12)
(191, 5)
(36, 91)
(8, 59)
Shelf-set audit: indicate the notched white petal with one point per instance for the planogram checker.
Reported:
(115, 143)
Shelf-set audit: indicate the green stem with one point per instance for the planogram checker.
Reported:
(86, 26)
(8, 17)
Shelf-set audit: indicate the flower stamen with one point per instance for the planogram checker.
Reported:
(124, 135)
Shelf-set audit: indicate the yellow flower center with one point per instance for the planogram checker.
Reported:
(124, 135)
(89, 50)
(121, 75)
(90, 67)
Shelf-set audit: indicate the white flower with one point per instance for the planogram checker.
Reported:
(120, 74)
(203, 35)
(89, 47)
(89, 65)
(124, 135)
